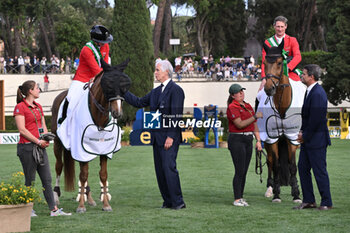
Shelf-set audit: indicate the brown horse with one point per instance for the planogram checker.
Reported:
(105, 97)
(281, 160)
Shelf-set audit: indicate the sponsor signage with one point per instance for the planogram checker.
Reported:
(9, 138)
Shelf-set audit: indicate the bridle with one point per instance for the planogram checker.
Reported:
(99, 106)
(272, 77)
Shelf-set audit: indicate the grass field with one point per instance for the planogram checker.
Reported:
(206, 179)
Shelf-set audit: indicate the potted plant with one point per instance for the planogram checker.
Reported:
(196, 142)
(16, 204)
(126, 136)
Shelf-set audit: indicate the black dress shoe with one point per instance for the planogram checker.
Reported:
(323, 207)
(182, 206)
(165, 206)
(305, 206)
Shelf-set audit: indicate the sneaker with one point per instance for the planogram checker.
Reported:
(240, 202)
(245, 202)
(59, 212)
(32, 214)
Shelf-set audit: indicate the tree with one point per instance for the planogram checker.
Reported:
(219, 26)
(158, 26)
(72, 32)
(131, 29)
(166, 28)
(337, 80)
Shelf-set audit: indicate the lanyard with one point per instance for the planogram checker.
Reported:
(36, 121)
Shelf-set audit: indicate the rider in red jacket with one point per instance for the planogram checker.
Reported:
(291, 46)
(89, 67)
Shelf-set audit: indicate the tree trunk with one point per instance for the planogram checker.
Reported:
(158, 27)
(8, 40)
(53, 35)
(18, 46)
(321, 33)
(308, 25)
(46, 38)
(168, 29)
(201, 22)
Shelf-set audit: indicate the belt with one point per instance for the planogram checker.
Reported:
(242, 133)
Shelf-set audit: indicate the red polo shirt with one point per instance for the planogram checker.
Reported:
(27, 111)
(236, 110)
(88, 67)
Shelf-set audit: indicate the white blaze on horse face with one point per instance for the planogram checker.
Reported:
(119, 103)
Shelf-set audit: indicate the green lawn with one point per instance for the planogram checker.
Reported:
(206, 179)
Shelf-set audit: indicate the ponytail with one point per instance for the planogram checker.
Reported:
(229, 100)
(23, 90)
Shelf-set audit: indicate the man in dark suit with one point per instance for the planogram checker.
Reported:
(314, 139)
(167, 100)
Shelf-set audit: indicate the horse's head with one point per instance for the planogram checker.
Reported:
(115, 84)
(273, 67)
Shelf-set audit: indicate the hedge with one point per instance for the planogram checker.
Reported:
(11, 125)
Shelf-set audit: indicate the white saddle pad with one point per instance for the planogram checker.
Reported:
(85, 139)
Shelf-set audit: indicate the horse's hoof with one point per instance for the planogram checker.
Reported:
(81, 210)
(92, 203)
(108, 209)
(297, 201)
(269, 192)
(276, 200)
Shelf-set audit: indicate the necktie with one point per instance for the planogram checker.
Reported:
(305, 95)
(161, 87)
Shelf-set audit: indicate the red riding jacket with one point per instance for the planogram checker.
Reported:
(291, 46)
(88, 67)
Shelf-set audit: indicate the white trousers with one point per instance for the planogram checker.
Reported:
(75, 91)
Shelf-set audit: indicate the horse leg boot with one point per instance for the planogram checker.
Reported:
(105, 196)
(82, 196)
(269, 190)
(87, 194)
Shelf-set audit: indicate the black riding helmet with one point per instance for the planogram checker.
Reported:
(100, 34)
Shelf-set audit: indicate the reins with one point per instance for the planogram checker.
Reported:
(258, 163)
(99, 106)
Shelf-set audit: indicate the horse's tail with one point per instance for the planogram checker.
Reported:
(69, 171)
(284, 173)
(59, 150)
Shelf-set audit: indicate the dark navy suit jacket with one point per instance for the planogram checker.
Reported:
(314, 119)
(169, 102)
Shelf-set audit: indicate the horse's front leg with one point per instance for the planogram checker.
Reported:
(58, 151)
(272, 150)
(269, 190)
(83, 177)
(105, 196)
(293, 172)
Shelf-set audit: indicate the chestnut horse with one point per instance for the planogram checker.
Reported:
(281, 158)
(105, 98)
